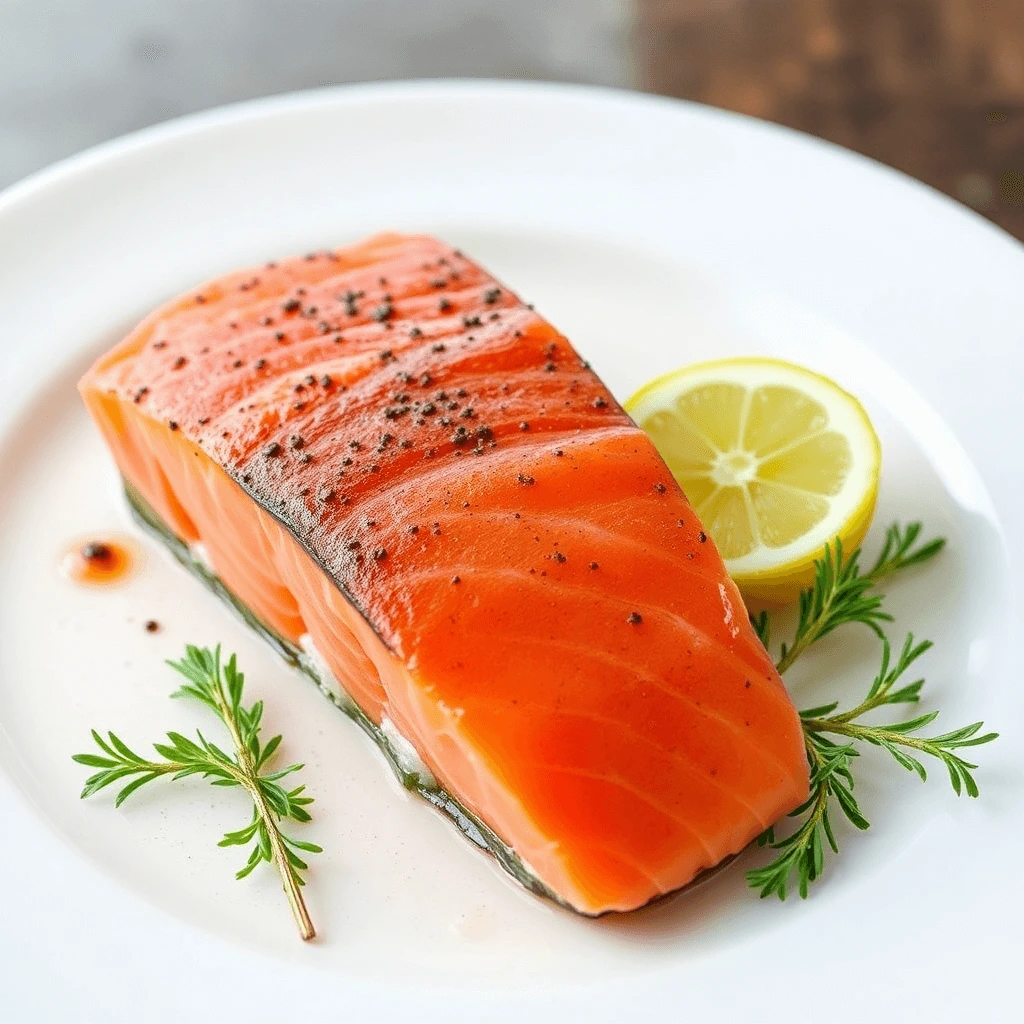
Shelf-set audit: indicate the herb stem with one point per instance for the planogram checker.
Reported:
(248, 778)
(799, 646)
(284, 868)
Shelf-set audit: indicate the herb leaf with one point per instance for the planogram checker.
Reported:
(841, 595)
(220, 687)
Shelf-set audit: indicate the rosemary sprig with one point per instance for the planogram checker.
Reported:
(841, 595)
(219, 686)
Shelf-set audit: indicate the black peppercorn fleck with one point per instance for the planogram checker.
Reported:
(635, 618)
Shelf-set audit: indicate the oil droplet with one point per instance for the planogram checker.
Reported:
(99, 561)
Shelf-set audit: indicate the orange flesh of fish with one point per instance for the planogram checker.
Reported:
(384, 448)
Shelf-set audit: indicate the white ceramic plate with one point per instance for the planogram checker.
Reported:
(654, 233)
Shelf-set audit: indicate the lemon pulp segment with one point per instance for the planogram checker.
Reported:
(776, 460)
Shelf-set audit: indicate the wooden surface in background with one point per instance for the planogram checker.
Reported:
(932, 87)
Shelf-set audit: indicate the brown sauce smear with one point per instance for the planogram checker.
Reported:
(99, 562)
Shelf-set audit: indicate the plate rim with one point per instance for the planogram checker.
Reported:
(249, 110)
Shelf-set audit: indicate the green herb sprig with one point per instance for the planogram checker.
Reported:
(841, 595)
(219, 686)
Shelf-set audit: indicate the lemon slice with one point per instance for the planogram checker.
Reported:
(775, 459)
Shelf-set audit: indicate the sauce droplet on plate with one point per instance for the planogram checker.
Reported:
(98, 563)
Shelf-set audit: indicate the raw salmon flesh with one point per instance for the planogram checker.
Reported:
(391, 461)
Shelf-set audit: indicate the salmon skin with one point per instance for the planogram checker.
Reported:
(413, 482)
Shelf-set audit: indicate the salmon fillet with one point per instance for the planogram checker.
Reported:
(388, 458)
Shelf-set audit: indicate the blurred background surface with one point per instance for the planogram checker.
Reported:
(933, 87)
